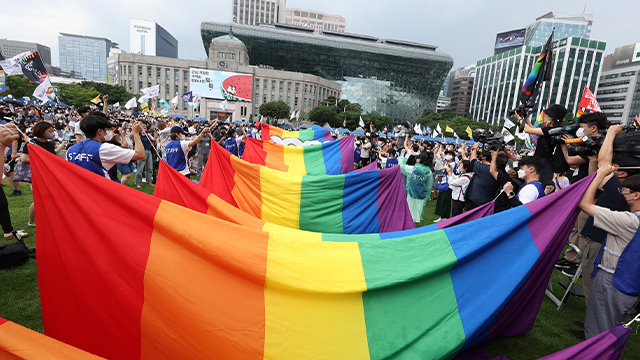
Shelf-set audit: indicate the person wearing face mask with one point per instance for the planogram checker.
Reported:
(97, 156)
(615, 286)
(547, 146)
(418, 182)
(499, 160)
(443, 204)
(529, 171)
(590, 125)
(43, 134)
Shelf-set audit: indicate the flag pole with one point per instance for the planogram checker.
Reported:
(553, 32)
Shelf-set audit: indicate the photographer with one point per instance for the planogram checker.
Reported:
(529, 171)
(483, 186)
(499, 160)
(553, 161)
(590, 125)
(615, 280)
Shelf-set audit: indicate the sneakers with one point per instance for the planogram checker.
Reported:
(438, 220)
(15, 193)
(571, 270)
(563, 264)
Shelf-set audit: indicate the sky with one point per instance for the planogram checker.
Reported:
(464, 29)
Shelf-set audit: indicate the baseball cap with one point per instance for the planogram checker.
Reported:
(178, 130)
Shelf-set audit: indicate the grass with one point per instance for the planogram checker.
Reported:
(20, 298)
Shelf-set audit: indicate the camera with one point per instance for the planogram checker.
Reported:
(628, 142)
(586, 146)
(495, 141)
(521, 110)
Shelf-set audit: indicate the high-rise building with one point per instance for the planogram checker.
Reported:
(499, 79)
(149, 38)
(11, 48)
(619, 89)
(461, 91)
(254, 12)
(566, 25)
(317, 20)
(85, 55)
(396, 78)
(537, 33)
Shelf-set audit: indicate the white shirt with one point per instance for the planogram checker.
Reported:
(528, 193)
(459, 185)
(111, 154)
(78, 131)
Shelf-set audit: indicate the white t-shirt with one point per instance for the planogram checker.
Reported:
(528, 193)
(78, 131)
(111, 154)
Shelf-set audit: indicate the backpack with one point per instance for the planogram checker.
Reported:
(15, 254)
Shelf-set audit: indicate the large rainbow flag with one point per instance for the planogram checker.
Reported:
(313, 135)
(329, 158)
(176, 283)
(18, 342)
(353, 203)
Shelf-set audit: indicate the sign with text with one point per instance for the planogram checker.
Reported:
(222, 85)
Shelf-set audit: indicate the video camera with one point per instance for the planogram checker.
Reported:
(495, 141)
(521, 110)
(585, 146)
(628, 142)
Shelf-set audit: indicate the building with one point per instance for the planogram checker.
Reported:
(443, 103)
(11, 48)
(576, 63)
(537, 33)
(446, 89)
(566, 25)
(461, 91)
(228, 58)
(254, 12)
(86, 56)
(396, 78)
(149, 38)
(619, 90)
(317, 20)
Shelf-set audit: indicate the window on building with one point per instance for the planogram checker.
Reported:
(139, 70)
(297, 87)
(167, 89)
(149, 71)
(305, 102)
(289, 100)
(281, 85)
(295, 102)
(139, 85)
(176, 89)
(266, 83)
(288, 86)
(185, 75)
(149, 84)
(257, 83)
(168, 74)
(184, 105)
(264, 98)
(129, 69)
(273, 84)
(272, 97)
(158, 73)
(185, 89)
(305, 87)
(177, 75)
(130, 85)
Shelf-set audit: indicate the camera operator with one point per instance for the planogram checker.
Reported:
(615, 280)
(553, 161)
(483, 186)
(502, 201)
(590, 125)
(529, 171)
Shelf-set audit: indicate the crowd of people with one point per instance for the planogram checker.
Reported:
(457, 176)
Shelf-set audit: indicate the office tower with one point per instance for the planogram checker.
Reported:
(85, 55)
(254, 12)
(149, 38)
(11, 48)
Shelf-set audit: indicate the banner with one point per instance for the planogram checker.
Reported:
(353, 203)
(33, 68)
(311, 136)
(589, 101)
(221, 85)
(151, 92)
(13, 66)
(329, 158)
(44, 91)
(183, 284)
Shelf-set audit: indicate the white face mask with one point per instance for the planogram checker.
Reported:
(448, 157)
(109, 136)
(521, 174)
(580, 133)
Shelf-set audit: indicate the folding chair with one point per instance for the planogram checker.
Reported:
(571, 287)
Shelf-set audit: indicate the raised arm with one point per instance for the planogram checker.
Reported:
(493, 168)
(105, 104)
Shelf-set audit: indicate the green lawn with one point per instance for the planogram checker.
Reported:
(20, 299)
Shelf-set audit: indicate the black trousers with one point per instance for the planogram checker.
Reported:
(457, 207)
(469, 205)
(5, 217)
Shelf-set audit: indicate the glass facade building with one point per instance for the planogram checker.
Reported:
(576, 63)
(566, 25)
(85, 55)
(389, 77)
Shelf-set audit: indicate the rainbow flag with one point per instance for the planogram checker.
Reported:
(353, 203)
(18, 342)
(313, 135)
(579, 113)
(3, 82)
(176, 188)
(329, 158)
(540, 72)
(181, 284)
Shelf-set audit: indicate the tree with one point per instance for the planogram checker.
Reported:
(19, 87)
(330, 101)
(324, 114)
(80, 94)
(275, 110)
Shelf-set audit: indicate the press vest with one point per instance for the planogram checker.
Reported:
(76, 154)
(175, 156)
(538, 186)
(231, 145)
(391, 162)
(626, 277)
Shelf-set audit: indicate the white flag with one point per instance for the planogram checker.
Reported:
(298, 115)
(174, 101)
(262, 118)
(151, 91)
(417, 129)
(361, 123)
(143, 99)
(438, 129)
(508, 124)
(164, 111)
(293, 114)
(12, 66)
(131, 103)
(42, 91)
(507, 135)
(223, 105)
(521, 135)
